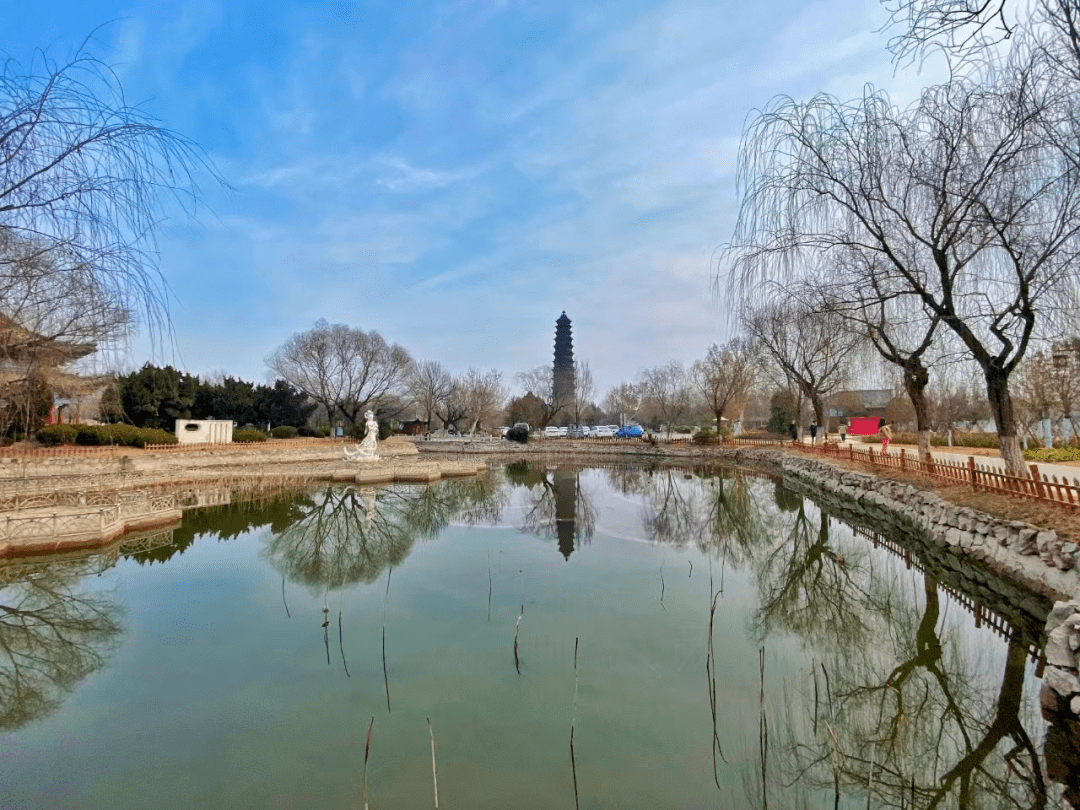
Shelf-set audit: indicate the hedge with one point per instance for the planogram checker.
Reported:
(1052, 454)
(103, 435)
(284, 432)
(248, 435)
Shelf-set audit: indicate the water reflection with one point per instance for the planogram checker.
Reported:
(340, 536)
(718, 511)
(54, 631)
(558, 506)
(882, 697)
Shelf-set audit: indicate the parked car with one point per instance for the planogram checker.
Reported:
(577, 432)
(603, 432)
(629, 432)
(551, 432)
(563, 431)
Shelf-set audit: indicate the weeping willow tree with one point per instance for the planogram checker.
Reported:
(85, 180)
(958, 210)
(53, 633)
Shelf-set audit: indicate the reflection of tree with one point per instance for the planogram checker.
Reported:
(560, 506)
(904, 718)
(628, 479)
(338, 536)
(721, 511)
(51, 637)
(240, 516)
(806, 586)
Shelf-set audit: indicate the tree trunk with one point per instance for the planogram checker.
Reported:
(1001, 408)
(819, 415)
(916, 378)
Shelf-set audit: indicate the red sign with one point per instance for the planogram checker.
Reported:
(863, 425)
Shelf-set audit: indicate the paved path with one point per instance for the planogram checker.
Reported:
(1061, 471)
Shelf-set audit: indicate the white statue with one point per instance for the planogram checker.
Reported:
(368, 449)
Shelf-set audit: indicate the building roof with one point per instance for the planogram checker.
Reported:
(20, 344)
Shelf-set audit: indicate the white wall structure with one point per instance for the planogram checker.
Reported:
(204, 431)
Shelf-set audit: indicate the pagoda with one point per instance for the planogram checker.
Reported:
(563, 378)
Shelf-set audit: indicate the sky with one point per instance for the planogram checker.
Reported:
(456, 174)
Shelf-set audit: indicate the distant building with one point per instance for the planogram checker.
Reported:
(26, 355)
(563, 379)
(866, 402)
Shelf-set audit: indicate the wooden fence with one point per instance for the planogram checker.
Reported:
(20, 451)
(980, 477)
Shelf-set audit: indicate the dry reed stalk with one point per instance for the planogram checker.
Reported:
(517, 630)
(434, 778)
(691, 569)
(386, 680)
(287, 614)
(763, 732)
(341, 644)
(326, 632)
(367, 752)
(870, 778)
(386, 602)
(573, 723)
(710, 676)
(662, 587)
(489, 586)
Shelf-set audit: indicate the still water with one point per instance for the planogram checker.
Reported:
(240, 660)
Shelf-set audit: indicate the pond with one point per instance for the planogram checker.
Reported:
(540, 637)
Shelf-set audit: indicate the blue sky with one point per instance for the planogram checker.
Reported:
(455, 174)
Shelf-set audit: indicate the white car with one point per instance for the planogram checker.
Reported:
(563, 432)
(551, 432)
(603, 432)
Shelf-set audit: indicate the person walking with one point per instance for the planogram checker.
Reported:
(886, 434)
(794, 432)
(813, 433)
(843, 432)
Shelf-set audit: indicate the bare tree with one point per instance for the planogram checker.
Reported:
(429, 384)
(623, 401)
(726, 376)
(84, 179)
(345, 370)
(483, 396)
(811, 348)
(893, 323)
(958, 203)
(666, 389)
(584, 389)
(540, 382)
(454, 407)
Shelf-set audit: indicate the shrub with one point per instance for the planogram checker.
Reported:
(54, 435)
(323, 432)
(518, 434)
(705, 433)
(1052, 454)
(121, 435)
(248, 435)
(284, 432)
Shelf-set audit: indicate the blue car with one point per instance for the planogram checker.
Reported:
(629, 432)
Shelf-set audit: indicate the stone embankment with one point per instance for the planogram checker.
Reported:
(58, 503)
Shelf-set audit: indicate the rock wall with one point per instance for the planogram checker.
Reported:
(1036, 559)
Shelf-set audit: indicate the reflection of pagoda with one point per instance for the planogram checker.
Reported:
(565, 485)
(563, 385)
